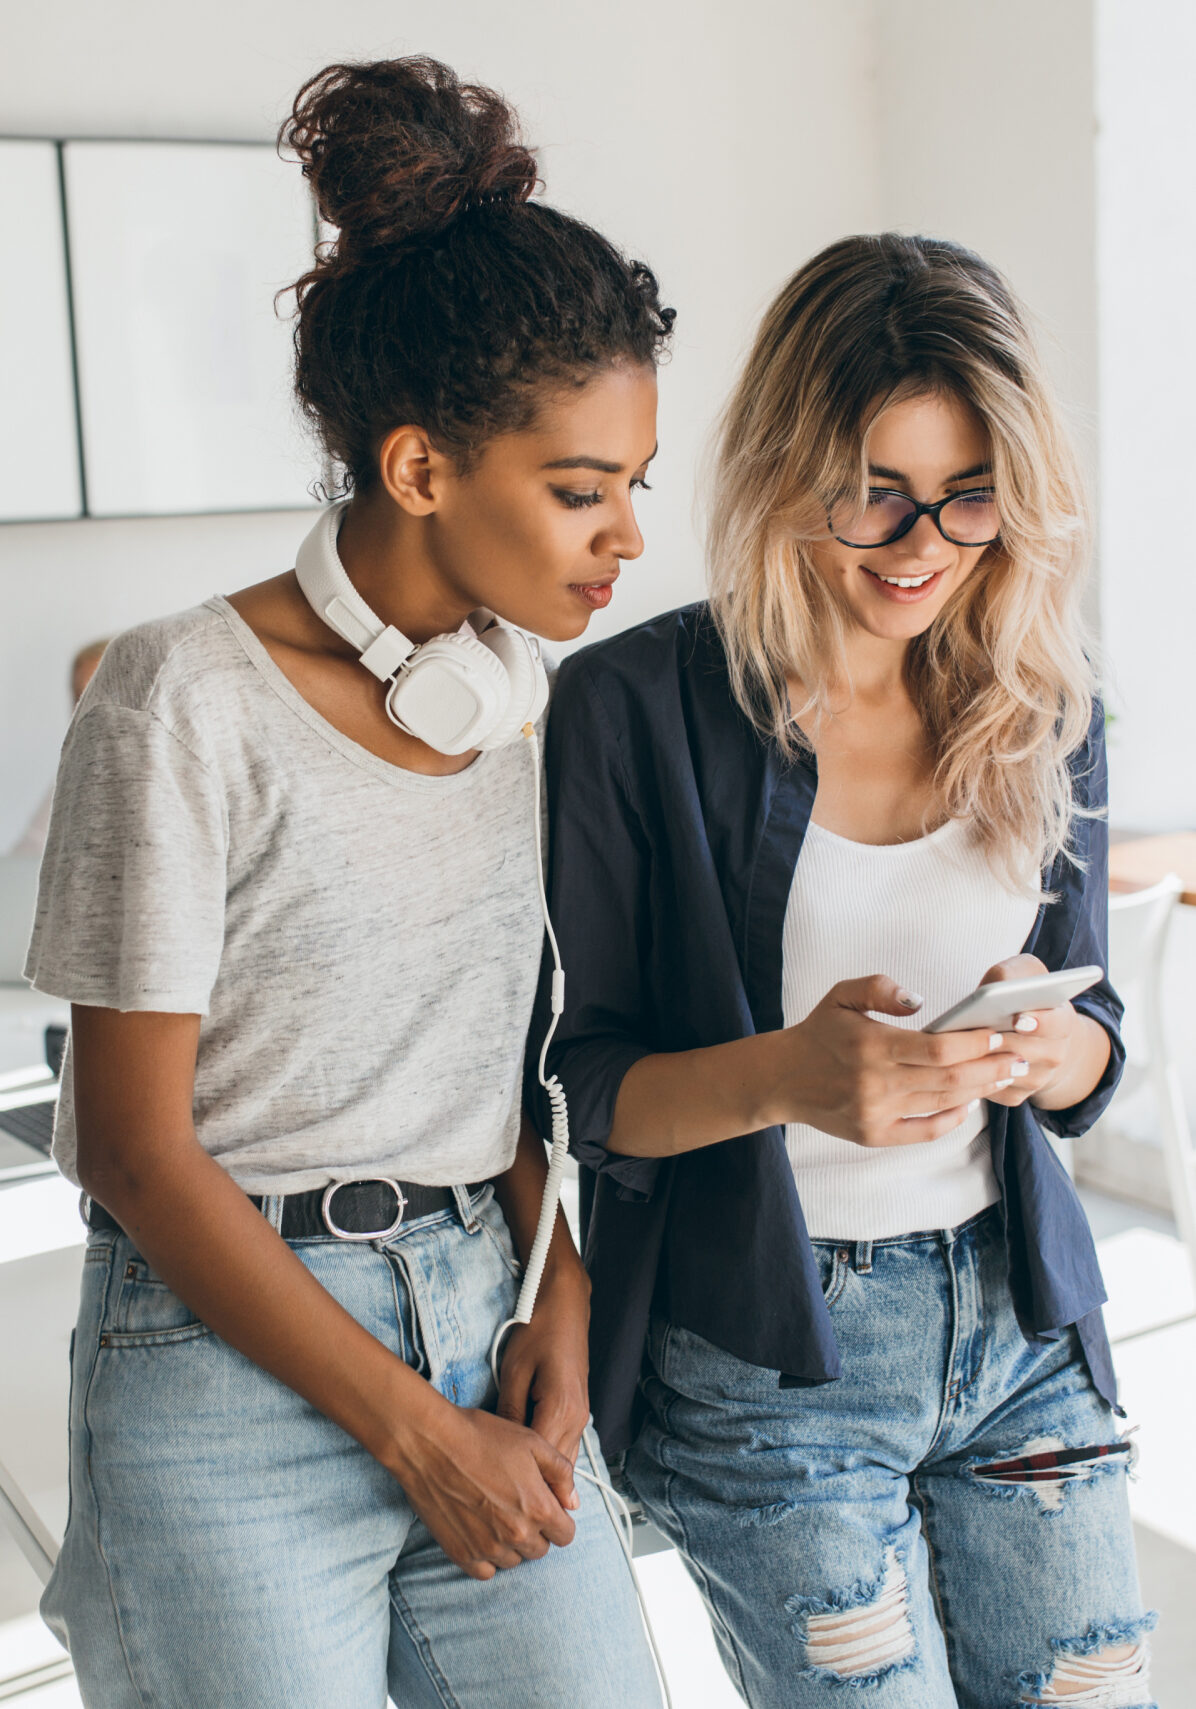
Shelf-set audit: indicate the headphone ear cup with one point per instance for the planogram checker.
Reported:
(452, 695)
(524, 671)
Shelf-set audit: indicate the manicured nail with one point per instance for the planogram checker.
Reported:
(973, 1106)
(1020, 1068)
(909, 999)
(575, 1500)
(995, 1041)
(1025, 1024)
(1002, 1085)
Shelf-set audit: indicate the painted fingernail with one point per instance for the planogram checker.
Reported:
(973, 1106)
(1001, 1085)
(995, 1041)
(1020, 1068)
(909, 999)
(1025, 1024)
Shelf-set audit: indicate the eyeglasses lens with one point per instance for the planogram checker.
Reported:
(971, 519)
(880, 519)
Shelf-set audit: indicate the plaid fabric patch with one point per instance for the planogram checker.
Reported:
(1050, 1465)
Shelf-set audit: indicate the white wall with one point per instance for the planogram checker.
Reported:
(986, 111)
(720, 144)
(1147, 269)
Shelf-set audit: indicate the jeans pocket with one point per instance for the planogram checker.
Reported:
(146, 1312)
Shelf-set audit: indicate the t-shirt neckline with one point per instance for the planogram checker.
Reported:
(282, 686)
(949, 829)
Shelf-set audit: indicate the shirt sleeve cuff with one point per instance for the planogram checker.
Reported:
(1076, 1120)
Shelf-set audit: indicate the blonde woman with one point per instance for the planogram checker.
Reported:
(846, 1302)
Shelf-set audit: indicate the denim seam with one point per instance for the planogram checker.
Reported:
(423, 1649)
(589, 1440)
(947, 1402)
(940, 1601)
(695, 1566)
(424, 1322)
(95, 1499)
(397, 1267)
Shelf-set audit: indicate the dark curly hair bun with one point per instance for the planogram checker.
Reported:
(450, 300)
(401, 147)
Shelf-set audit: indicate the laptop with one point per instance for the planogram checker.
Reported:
(18, 899)
(27, 1118)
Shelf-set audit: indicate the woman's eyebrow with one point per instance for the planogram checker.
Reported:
(599, 463)
(971, 474)
(602, 464)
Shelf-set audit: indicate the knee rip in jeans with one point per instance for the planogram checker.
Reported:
(1046, 1467)
(859, 1634)
(1108, 1668)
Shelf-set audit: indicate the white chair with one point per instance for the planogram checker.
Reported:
(1138, 926)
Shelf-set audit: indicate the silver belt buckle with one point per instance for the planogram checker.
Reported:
(371, 1234)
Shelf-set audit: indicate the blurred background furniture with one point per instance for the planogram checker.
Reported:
(1139, 921)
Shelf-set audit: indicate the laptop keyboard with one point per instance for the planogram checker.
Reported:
(32, 1123)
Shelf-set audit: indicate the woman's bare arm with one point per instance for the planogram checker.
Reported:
(839, 1070)
(140, 1158)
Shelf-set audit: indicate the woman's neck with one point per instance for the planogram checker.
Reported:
(873, 675)
(385, 553)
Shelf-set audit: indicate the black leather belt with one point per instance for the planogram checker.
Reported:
(350, 1210)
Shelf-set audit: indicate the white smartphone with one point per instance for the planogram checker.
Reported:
(994, 1006)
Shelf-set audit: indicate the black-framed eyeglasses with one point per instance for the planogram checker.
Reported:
(965, 519)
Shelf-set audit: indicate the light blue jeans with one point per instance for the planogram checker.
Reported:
(870, 1532)
(230, 1548)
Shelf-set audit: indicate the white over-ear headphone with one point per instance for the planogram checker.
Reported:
(474, 689)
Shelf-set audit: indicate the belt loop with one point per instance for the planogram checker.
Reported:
(465, 1210)
(863, 1258)
(272, 1204)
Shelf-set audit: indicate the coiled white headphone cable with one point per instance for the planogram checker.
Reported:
(533, 1273)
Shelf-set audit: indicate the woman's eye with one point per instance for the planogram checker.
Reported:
(576, 501)
(641, 483)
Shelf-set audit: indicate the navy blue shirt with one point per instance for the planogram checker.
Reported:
(675, 830)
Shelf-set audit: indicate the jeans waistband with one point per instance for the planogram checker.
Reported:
(346, 1210)
(859, 1252)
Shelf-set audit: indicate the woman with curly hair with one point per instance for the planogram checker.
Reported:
(296, 912)
(846, 1302)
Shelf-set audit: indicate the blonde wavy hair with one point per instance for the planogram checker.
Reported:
(1004, 676)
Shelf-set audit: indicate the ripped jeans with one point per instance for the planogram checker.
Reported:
(946, 1525)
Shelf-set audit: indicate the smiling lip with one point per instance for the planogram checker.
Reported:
(903, 595)
(597, 595)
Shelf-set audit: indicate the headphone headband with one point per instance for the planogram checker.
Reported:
(474, 689)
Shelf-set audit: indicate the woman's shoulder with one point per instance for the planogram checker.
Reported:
(647, 661)
(180, 672)
(144, 667)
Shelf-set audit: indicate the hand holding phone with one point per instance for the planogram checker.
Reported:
(1062, 1052)
(997, 1004)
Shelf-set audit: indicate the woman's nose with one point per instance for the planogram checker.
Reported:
(623, 539)
(923, 542)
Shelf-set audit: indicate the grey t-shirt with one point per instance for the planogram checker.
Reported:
(362, 942)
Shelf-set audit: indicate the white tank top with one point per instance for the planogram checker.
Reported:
(934, 916)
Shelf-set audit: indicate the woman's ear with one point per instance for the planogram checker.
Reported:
(412, 470)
